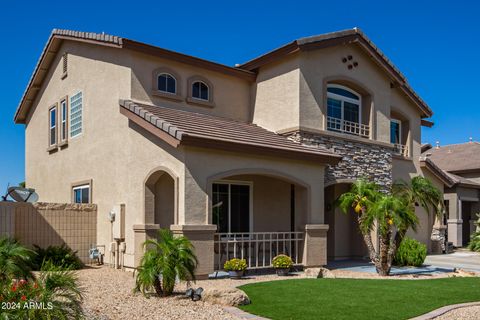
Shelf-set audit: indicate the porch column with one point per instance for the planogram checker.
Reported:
(315, 250)
(202, 238)
(455, 223)
(193, 222)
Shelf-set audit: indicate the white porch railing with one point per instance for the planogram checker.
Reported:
(258, 248)
(359, 129)
(400, 149)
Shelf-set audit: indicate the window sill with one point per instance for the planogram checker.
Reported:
(202, 103)
(52, 149)
(170, 96)
(63, 144)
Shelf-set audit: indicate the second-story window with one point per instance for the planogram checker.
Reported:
(200, 90)
(52, 126)
(76, 107)
(63, 122)
(395, 131)
(167, 83)
(344, 110)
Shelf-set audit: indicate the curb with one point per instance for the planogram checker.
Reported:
(438, 312)
(242, 314)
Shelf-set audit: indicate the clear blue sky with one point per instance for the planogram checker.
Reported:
(434, 43)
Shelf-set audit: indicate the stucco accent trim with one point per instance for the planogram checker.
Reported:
(339, 181)
(194, 227)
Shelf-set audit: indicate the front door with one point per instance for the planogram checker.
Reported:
(231, 206)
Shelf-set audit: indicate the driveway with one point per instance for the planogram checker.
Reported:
(462, 259)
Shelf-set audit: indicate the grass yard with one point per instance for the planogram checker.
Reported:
(357, 298)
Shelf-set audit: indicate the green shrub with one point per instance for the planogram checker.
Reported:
(235, 265)
(166, 259)
(282, 261)
(410, 253)
(16, 261)
(474, 244)
(62, 257)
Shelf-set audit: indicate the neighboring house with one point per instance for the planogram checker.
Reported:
(458, 166)
(245, 160)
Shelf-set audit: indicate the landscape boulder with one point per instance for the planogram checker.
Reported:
(319, 273)
(227, 297)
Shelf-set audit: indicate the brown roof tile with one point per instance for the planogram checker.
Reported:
(190, 128)
(456, 158)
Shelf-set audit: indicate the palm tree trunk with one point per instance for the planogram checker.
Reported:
(367, 238)
(158, 287)
(384, 268)
(395, 244)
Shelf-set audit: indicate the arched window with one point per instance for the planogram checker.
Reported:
(200, 90)
(343, 109)
(167, 83)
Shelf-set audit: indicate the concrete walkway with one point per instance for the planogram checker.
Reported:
(461, 259)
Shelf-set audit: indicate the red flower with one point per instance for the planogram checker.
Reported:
(22, 282)
(24, 298)
(14, 288)
(35, 285)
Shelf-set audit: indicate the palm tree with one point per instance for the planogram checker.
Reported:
(16, 261)
(361, 196)
(392, 213)
(166, 259)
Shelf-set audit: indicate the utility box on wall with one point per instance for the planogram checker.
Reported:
(119, 222)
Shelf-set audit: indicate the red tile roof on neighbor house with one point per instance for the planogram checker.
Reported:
(178, 127)
(245, 71)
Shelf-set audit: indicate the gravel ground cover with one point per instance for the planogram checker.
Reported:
(108, 295)
(467, 313)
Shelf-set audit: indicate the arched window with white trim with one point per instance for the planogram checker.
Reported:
(167, 83)
(200, 90)
(344, 110)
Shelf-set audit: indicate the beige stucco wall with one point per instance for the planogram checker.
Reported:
(231, 95)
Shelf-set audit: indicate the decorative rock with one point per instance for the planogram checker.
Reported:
(227, 297)
(319, 273)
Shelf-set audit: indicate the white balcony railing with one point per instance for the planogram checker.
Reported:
(257, 248)
(400, 149)
(344, 126)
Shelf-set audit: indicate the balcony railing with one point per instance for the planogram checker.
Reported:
(344, 126)
(400, 149)
(257, 248)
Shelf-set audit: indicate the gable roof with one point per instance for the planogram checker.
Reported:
(57, 36)
(456, 158)
(355, 36)
(447, 178)
(178, 127)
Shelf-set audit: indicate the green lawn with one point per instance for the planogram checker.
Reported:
(357, 298)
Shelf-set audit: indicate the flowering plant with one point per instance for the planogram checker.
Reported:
(282, 262)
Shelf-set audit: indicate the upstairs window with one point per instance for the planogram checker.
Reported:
(52, 122)
(395, 131)
(167, 83)
(76, 122)
(343, 104)
(63, 122)
(200, 91)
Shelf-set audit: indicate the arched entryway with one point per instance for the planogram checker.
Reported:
(344, 240)
(160, 199)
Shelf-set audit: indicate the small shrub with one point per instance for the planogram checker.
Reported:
(235, 265)
(474, 244)
(62, 257)
(16, 261)
(282, 262)
(410, 253)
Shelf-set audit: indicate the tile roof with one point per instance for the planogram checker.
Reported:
(354, 35)
(456, 157)
(190, 128)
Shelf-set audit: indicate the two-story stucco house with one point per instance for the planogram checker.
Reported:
(246, 161)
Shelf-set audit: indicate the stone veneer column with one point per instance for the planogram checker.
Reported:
(315, 249)
(202, 238)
